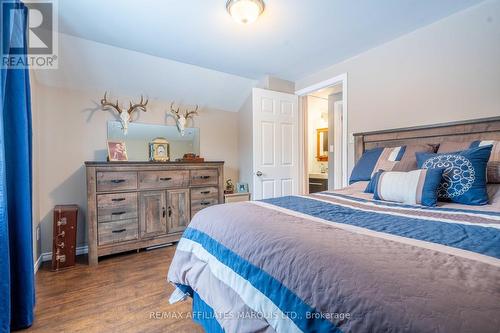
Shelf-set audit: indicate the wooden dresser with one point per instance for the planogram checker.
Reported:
(133, 205)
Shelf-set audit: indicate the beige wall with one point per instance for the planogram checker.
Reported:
(245, 141)
(70, 128)
(35, 169)
(447, 71)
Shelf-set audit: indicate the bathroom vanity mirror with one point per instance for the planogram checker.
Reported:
(140, 135)
(322, 144)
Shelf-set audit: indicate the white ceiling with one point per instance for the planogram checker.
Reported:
(292, 39)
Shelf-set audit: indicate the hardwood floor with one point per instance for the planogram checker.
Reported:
(119, 295)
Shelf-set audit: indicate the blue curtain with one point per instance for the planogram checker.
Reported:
(17, 294)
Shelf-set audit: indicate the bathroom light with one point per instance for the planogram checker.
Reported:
(245, 11)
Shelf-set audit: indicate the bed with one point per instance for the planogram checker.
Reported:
(343, 262)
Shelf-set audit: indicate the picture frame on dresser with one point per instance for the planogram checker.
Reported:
(135, 205)
(117, 151)
(241, 187)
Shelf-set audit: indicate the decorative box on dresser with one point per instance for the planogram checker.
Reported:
(134, 205)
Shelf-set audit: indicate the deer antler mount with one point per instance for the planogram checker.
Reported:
(181, 118)
(125, 116)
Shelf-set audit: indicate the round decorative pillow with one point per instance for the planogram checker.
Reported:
(458, 174)
(464, 176)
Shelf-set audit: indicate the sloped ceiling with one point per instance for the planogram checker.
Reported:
(192, 50)
(88, 65)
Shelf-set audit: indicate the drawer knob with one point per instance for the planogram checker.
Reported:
(118, 199)
(119, 231)
(205, 203)
(164, 179)
(118, 181)
(118, 213)
(203, 177)
(205, 192)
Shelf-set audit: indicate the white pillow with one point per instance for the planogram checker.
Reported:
(413, 187)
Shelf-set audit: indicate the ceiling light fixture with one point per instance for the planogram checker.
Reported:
(245, 11)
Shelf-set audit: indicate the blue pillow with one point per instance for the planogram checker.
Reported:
(370, 188)
(464, 177)
(374, 159)
(417, 187)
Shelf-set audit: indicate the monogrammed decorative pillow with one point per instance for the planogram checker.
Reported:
(493, 171)
(464, 176)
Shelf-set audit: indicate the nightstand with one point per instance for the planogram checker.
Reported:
(236, 197)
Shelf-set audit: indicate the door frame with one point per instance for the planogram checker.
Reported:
(302, 93)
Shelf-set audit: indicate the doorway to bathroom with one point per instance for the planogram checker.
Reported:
(325, 135)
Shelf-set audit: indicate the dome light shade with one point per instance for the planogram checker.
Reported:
(245, 11)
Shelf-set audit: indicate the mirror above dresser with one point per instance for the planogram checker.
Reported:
(140, 135)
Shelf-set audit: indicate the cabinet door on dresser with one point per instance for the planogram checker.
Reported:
(178, 210)
(152, 213)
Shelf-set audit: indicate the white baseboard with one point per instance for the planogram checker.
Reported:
(38, 263)
(47, 256)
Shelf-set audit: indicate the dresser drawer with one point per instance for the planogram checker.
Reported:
(204, 177)
(198, 193)
(163, 179)
(118, 206)
(114, 181)
(197, 205)
(118, 231)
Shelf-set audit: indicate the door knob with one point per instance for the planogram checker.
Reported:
(259, 173)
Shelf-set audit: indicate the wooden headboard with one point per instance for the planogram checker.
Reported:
(469, 130)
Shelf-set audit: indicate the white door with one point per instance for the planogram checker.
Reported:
(275, 144)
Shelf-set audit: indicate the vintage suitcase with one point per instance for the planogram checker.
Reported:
(64, 236)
